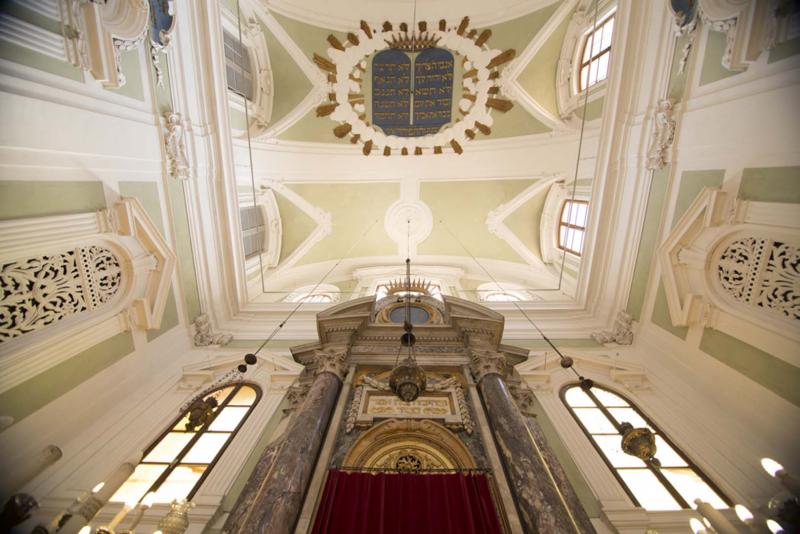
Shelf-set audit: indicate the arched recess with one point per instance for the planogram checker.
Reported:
(723, 245)
(112, 268)
(407, 444)
(259, 109)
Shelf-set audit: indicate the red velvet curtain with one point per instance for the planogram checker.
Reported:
(401, 503)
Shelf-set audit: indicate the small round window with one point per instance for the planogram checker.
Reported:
(418, 315)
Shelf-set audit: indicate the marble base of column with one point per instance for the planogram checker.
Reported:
(276, 503)
(543, 508)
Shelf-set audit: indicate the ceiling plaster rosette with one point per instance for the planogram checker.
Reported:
(480, 84)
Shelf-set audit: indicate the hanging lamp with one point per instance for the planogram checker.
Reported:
(408, 379)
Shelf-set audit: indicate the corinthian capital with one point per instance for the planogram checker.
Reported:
(331, 360)
(485, 362)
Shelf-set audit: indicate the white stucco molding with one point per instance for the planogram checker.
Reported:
(136, 250)
(259, 110)
(750, 27)
(696, 256)
(495, 220)
(569, 97)
(96, 32)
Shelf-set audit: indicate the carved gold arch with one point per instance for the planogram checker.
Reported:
(411, 445)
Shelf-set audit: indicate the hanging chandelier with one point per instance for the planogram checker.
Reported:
(407, 379)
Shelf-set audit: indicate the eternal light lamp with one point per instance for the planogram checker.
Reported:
(407, 379)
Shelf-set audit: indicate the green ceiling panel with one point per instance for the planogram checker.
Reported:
(773, 373)
(785, 50)
(661, 315)
(518, 32)
(290, 84)
(647, 242)
(516, 121)
(712, 70)
(19, 199)
(296, 225)
(354, 207)
(313, 129)
(467, 217)
(538, 78)
(771, 184)
(525, 221)
(692, 183)
(27, 397)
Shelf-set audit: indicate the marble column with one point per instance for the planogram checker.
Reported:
(542, 506)
(270, 502)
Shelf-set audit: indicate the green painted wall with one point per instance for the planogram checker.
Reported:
(692, 183)
(518, 32)
(647, 242)
(20, 199)
(313, 129)
(773, 373)
(593, 110)
(290, 84)
(712, 70)
(24, 399)
(296, 225)
(514, 122)
(371, 200)
(538, 78)
(168, 321)
(526, 220)
(147, 193)
(24, 56)
(28, 15)
(772, 184)
(132, 68)
(184, 251)
(785, 50)
(574, 475)
(467, 218)
(661, 315)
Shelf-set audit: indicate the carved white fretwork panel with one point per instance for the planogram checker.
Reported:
(763, 273)
(71, 281)
(39, 291)
(734, 266)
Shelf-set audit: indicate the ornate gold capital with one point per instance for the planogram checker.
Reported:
(331, 360)
(485, 362)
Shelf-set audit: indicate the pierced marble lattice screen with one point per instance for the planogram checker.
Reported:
(40, 291)
(763, 273)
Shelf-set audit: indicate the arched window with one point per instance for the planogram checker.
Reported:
(500, 296)
(673, 486)
(177, 463)
(316, 294)
(238, 67)
(595, 53)
(572, 226)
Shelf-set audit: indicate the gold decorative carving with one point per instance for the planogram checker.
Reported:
(400, 444)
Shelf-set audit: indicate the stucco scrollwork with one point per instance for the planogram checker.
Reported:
(663, 134)
(763, 273)
(177, 158)
(622, 334)
(204, 336)
(42, 290)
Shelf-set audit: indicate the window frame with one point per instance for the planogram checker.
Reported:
(176, 461)
(585, 41)
(668, 486)
(568, 225)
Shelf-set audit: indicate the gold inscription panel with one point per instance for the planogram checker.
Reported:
(427, 406)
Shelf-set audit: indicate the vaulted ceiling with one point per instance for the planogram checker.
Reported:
(337, 204)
